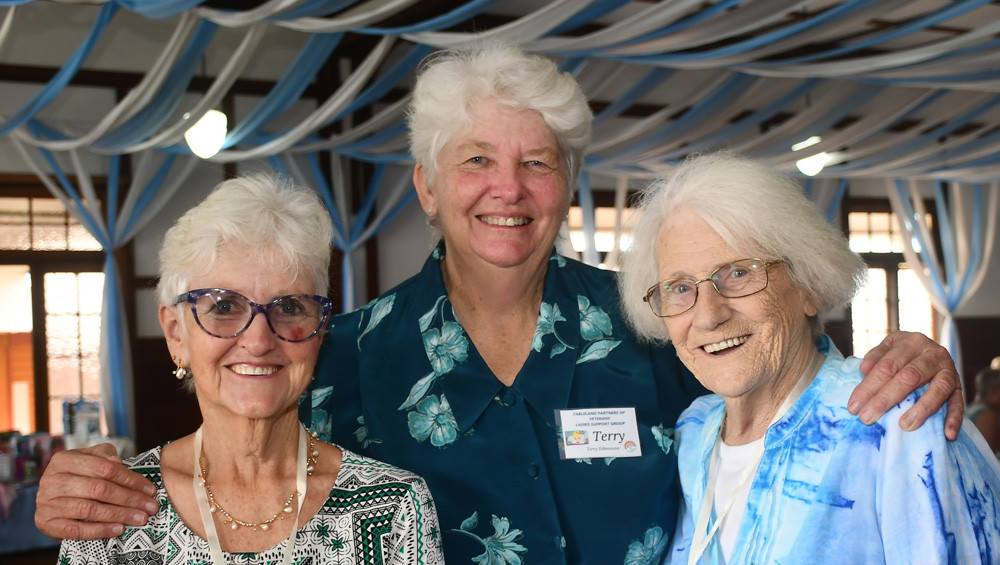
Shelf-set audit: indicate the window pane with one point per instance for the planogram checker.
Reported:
(61, 293)
(881, 242)
(62, 335)
(91, 292)
(81, 240)
(874, 232)
(879, 233)
(90, 368)
(14, 233)
(879, 221)
(42, 224)
(859, 243)
(605, 219)
(48, 230)
(90, 332)
(915, 310)
(897, 242)
(73, 330)
(857, 222)
(869, 313)
(64, 377)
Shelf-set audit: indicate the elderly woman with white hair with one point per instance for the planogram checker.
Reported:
(242, 282)
(734, 265)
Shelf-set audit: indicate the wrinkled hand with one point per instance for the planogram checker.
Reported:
(903, 362)
(89, 494)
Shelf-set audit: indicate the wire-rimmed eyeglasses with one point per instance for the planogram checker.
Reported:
(227, 313)
(735, 279)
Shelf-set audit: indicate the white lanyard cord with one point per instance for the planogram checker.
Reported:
(701, 538)
(301, 480)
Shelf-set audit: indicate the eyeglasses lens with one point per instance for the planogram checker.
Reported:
(295, 317)
(227, 314)
(733, 280)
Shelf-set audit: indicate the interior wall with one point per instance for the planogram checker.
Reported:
(17, 386)
(403, 246)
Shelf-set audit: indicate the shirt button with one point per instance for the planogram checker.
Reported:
(507, 397)
(532, 470)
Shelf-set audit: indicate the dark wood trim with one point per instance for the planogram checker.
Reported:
(39, 349)
(68, 259)
(29, 186)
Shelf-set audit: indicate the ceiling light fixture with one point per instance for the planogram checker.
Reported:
(206, 136)
(808, 142)
(812, 165)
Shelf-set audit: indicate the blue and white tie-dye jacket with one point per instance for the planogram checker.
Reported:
(833, 490)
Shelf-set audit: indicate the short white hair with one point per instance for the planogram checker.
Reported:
(284, 225)
(756, 211)
(452, 83)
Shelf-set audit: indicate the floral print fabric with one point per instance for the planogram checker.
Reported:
(401, 381)
(832, 490)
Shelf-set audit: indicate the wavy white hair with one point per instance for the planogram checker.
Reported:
(756, 211)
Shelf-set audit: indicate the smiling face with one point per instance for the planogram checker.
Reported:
(499, 191)
(255, 374)
(736, 347)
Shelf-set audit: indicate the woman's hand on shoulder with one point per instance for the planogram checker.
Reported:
(902, 363)
(89, 494)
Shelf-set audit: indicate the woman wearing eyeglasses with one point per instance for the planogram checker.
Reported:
(733, 265)
(241, 282)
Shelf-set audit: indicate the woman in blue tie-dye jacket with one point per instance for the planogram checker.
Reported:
(773, 466)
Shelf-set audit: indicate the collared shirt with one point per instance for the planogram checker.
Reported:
(831, 490)
(400, 380)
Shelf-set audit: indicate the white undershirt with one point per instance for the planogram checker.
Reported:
(731, 464)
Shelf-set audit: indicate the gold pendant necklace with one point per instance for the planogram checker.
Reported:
(264, 525)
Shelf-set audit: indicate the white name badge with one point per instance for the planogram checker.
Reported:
(598, 432)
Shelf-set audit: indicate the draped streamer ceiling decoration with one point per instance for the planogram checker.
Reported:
(893, 88)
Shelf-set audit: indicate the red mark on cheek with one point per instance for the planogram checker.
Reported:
(297, 333)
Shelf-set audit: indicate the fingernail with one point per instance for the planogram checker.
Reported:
(853, 407)
(118, 529)
(150, 490)
(138, 518)
(906, 422)
(867, 417)
(152, 507)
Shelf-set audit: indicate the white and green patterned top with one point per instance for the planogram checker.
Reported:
(375, 513)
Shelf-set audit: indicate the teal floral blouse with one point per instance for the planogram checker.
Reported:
(399, 380)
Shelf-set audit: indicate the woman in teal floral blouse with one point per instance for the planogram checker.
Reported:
(494, 370)
(466, 373)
